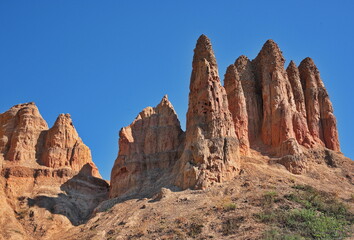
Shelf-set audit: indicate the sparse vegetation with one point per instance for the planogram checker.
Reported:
(229, 206)
(269, 198)
(315, 215)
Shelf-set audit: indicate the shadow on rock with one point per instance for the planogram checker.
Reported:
(81, 194)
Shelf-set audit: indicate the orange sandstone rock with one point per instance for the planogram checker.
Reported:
(211, 152)
(300, 127)
(252, 90)
(20, 133)
(148, 149)
(320, 118)
(237, 106)
(64, 148)
(278, 103)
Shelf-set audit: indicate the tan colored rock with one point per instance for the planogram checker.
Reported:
(64, 148)
(42, 200)
(148, 149)
(237, 106)
(20, 133)
(278, 101)
(320, 118)
(301, 130)
(252, 90)
(211, 151)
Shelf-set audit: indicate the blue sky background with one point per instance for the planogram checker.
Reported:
(104, 61)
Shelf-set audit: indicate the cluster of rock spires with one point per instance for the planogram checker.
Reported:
(261, 107)
(262, 110)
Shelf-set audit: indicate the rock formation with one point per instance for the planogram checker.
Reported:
(237, 106)
(154, 148)
(300, 126)
(64, 148)
(280, 113)
(253, 96)
(45, 174)
(285, 108)
(20, 132)
(25, 138)
(278, 100)
(320, 118)
(211, 152)
(148, 149)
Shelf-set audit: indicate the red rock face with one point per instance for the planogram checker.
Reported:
(293, 105)
(262, 107)
(300, 126)
(148, 150)
(253, 94)
(320, 118)
(211, 151)
(237, 106)
(20, 132)
(64, 148)
(25, 138)
(278, 103)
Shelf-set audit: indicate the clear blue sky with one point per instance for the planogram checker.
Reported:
(104, 61)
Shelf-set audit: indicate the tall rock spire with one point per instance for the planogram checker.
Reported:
(237, 106)
(320, 118)
(211, 146)
(252, 90)
(301, 130)
(278, 101)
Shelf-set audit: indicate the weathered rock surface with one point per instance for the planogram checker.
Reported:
(252, 90)
(211, 152)
(25, 138)
(320, 118)
(20, 133)
(300, 126)
(284, 107)
(278, 100)
(148, 149)
(44, 199)
(280, 113)
(237, 106)
(64, 148)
